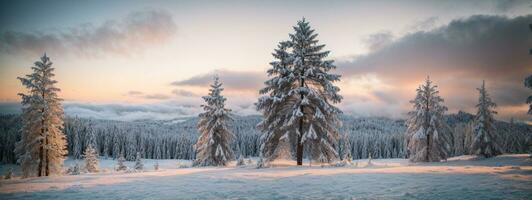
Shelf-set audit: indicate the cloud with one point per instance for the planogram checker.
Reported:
(458, 56)
(130, 112)
(140, 94)
(232, 80)
(184, 93)
(134, 93)
(157, 96)
(424, 25)
(133, 33)
(507, 5)
(379, 40)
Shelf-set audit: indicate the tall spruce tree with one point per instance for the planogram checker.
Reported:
(42, 147)
(296, 101)
(428, 137)
(485, 138)
(213, 145)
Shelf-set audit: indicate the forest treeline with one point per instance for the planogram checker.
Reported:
(380, 137)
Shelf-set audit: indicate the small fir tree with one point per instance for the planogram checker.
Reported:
(428, 137)
(485, 138)
(138, 162)
(213, 147)
(120, 163)
(91, 159)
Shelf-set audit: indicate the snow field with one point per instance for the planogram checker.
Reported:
(464, 177)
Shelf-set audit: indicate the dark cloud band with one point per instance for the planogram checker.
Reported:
(133, 33)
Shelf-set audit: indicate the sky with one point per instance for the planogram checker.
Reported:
(133, 60)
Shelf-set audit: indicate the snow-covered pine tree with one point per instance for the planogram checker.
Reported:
(138, 162)
(485, 138)
(116, 148)
(297, 98)
(75, 141)
(42, 147)
(427, 136)
(212, 147)
(120, 163)
(90, 137)
(91, 159)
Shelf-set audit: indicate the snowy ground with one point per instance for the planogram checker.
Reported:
(503, 177)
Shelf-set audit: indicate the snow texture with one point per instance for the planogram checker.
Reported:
(464, 177)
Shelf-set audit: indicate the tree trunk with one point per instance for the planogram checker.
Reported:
(40, 161)
(41, 151)
(427, 124)
(299, 149)
(428, 148)
(47, 169)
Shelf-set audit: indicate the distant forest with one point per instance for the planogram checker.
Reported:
(380, 137)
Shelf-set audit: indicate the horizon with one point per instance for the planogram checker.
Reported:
(140, 61)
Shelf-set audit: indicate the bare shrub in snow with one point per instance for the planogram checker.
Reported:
(74, 170)
(9, 174)
(156, 165)
(261, 163)
(240, 161)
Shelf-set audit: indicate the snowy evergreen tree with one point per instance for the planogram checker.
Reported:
(213, 145)
(91, 159)
(428, 137)
(485, 138)
(138, 162)
(297, 98)
(42, 147)
(120, 163)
